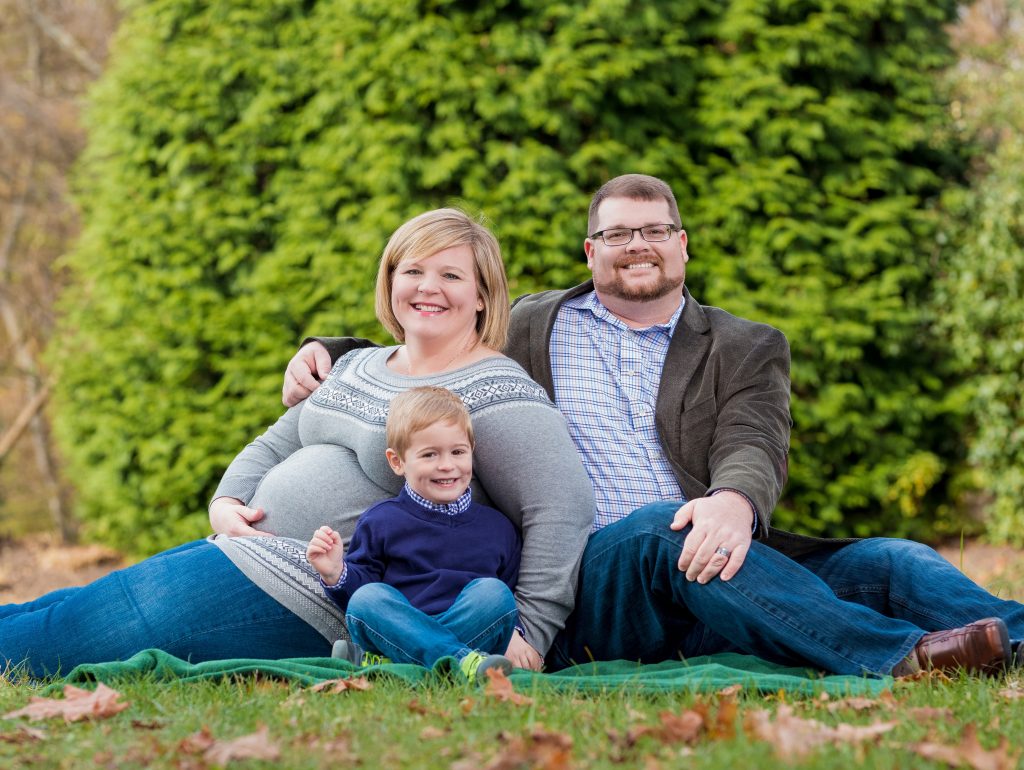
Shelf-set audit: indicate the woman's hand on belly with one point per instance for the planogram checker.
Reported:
(228, 516)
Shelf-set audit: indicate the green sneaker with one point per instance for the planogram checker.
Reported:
(373, 659)
(345, 649)
(475, 665)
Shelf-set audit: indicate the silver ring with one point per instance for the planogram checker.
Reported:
(723, 551)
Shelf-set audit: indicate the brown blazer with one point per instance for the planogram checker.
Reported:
(722, 412)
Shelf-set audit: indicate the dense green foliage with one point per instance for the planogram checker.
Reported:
(247, 162)
(979, 298)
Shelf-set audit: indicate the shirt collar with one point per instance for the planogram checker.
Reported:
(453, 508)
(590, 302)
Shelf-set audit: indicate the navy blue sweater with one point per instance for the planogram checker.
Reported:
(427, 555)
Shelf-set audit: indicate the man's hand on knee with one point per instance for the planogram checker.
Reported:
(720, 537)
(304, 373)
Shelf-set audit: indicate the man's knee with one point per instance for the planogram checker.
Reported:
(653, 518)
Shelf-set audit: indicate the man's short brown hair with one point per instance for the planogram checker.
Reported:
(419, 408)
(638, 187)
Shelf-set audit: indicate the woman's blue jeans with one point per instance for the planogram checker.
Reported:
(482, 617)
(853, 609)
(190, 601)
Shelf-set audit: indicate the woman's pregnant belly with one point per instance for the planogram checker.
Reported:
(319, 484)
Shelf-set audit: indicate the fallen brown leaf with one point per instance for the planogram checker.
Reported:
(926, 675)
(680, 728)
(684, 727)
(793, 737)
(855, 704)
(929, 713)
(431, 733)
(466, 705)
(151, 724)
(969, 752)
(540, 750)
(1013, 692)
(500, 688)
(196, 742)
(77, 704)
(343, 685)
(418, 708)
(256, 745)
(23, 734)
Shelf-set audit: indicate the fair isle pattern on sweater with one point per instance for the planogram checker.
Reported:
(353, 388)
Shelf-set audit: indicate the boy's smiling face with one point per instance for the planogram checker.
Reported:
(438, 463)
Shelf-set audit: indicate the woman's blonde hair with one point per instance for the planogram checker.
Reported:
(435, 231)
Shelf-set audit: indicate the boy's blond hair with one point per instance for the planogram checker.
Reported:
(419, 408)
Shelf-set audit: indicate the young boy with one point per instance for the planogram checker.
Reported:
(429, 573)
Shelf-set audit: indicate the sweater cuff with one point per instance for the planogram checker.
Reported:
(341, 579)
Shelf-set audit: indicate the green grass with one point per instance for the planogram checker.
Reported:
(395, 725)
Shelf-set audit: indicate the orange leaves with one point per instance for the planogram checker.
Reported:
(77, 704)
(969, 753)
(256, 745)
(794, 737)
(540, 749)
(358, 683)
(500, 688)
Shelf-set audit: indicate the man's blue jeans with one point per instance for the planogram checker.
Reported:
(853, 609)
(482, 617)
(190, 601)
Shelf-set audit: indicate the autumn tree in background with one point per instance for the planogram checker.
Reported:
(50, 50)
(980, 292)
(247, 162)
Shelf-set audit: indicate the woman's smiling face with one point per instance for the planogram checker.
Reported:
(437, 297)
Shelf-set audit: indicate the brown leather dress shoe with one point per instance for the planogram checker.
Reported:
(982, 647)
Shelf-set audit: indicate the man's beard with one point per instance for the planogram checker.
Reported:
(661, 287)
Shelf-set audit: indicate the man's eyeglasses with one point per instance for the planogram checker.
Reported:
(620, 236)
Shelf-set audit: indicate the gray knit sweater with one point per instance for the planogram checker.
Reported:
(323, 463)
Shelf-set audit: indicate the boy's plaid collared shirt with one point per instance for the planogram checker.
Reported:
(606, 378)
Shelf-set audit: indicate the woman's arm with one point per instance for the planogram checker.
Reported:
(239, 482)
(529, 467)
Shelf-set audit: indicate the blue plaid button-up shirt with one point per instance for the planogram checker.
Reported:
(606, 378)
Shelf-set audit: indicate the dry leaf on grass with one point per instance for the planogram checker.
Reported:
(500, 688)
(431, 733)
(793, 737)
(342, 685)
(685, 727)
(540, 750)
(418, 708)
(969, 753)
(1013, 692)
(256, 745)
(23, 734)
(77, 704)
(196, 743)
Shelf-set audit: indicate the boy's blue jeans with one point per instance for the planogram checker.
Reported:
(853, 609)
(381, 620)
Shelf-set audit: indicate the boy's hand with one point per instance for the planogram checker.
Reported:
(326, 553)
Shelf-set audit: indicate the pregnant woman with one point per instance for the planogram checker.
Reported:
(248, 591)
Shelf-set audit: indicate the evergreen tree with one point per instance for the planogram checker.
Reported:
(249, 160)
